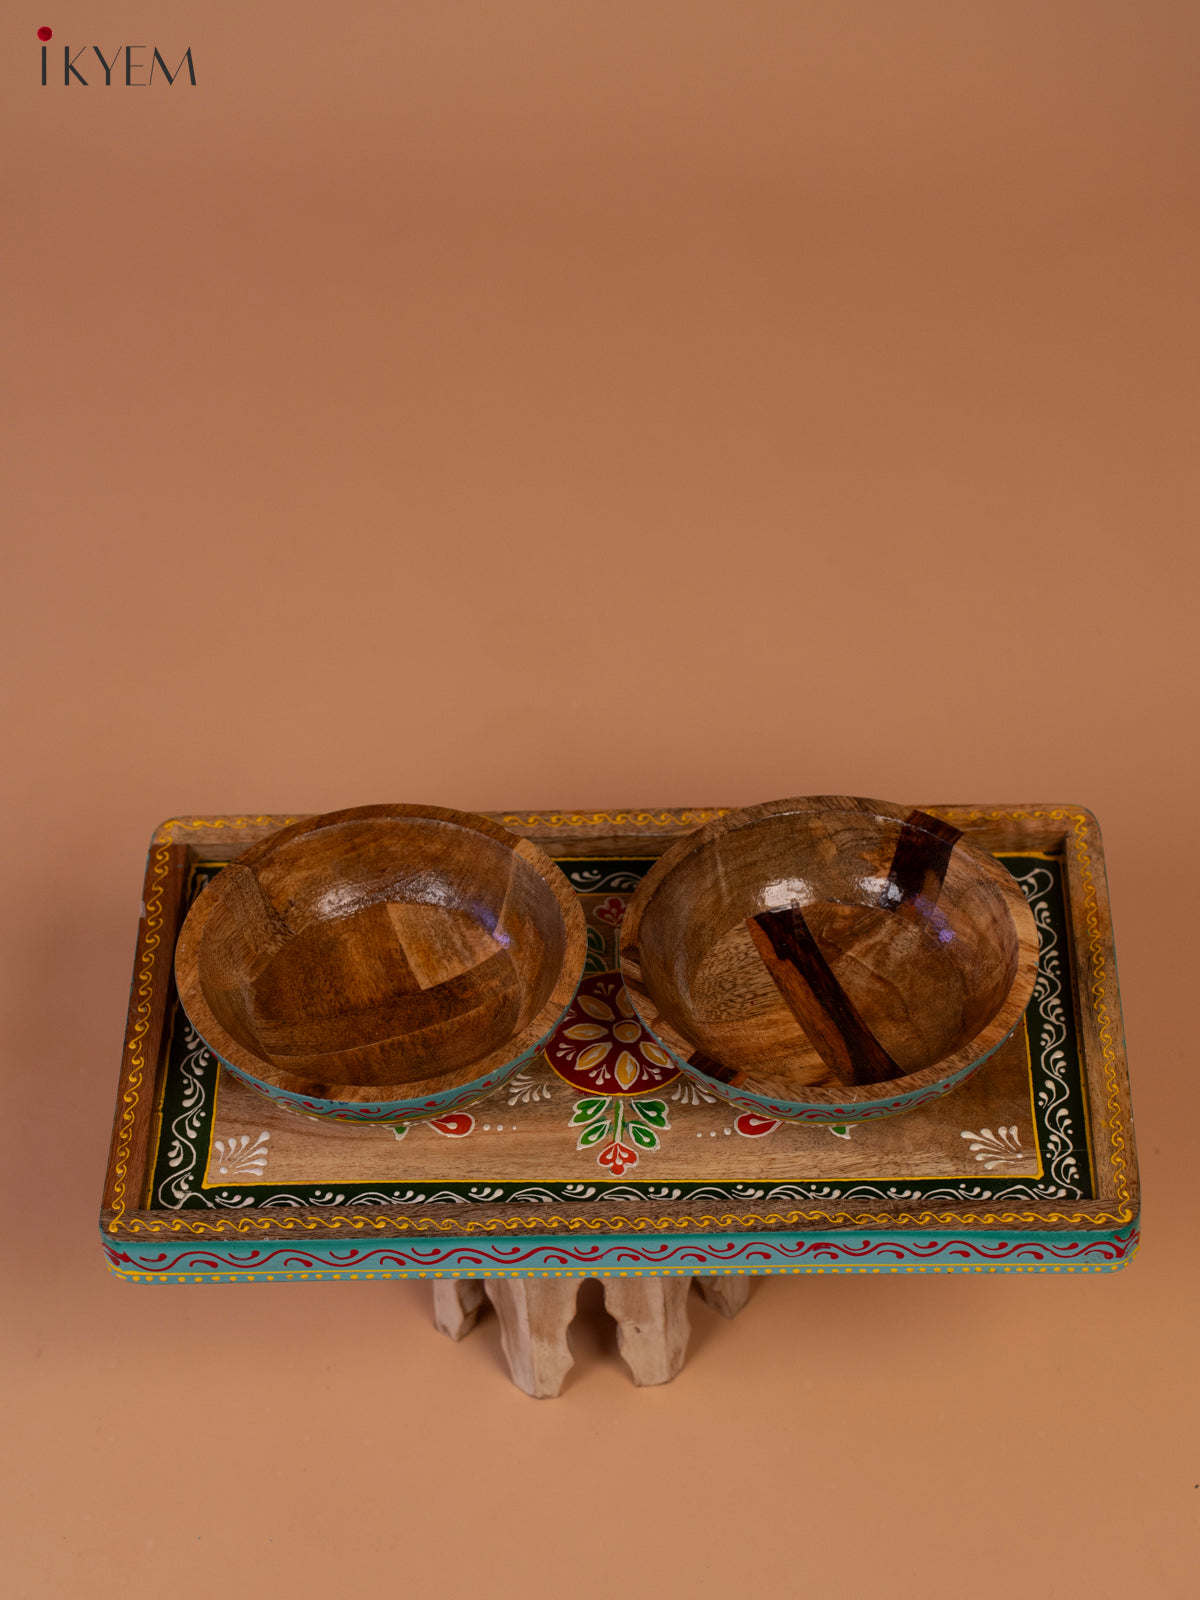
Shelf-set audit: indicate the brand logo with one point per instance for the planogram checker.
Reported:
(139, 73)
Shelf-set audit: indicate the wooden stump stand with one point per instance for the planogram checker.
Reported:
(535, 1314)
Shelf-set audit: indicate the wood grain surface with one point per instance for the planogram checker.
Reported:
(523, 1133)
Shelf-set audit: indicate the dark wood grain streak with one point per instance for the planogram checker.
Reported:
(922, 855)
(817, 1000)
(721, 1071)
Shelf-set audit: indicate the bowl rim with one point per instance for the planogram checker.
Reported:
(950, 1069)
(516, 1048)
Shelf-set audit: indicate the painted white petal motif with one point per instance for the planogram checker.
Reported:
(524, 1089)
(995, 1149)
(241, 1159)
(689, 1093)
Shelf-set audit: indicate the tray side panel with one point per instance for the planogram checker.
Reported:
(141, 1057)
(708, 1255)
(1101, 1023)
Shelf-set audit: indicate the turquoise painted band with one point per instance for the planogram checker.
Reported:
(389, 1111)
(821, 1112)
(708, 1255)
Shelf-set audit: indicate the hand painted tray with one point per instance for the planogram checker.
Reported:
(600, 1159)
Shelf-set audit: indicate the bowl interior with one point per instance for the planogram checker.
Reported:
(380, 951)
(819, 948)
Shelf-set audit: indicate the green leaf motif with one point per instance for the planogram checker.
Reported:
(588, 1110)
(592, 1135)
(652, 1111)
(646, 1137)
(597, 955)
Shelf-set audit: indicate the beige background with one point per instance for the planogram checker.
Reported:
(522, 404)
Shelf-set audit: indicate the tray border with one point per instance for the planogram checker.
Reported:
(1101, 1037)
(681, 1255)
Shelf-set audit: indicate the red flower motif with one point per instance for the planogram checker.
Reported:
(456, 1125)
(612, 911)
(616, 1157)
(752, 1126)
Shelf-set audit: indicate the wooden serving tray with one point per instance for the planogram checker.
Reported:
(600, 1160)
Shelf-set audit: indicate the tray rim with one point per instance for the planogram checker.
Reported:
(1071, 830)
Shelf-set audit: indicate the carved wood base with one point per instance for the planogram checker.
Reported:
(535, 1314)
(727, 1294)
(457, 1303)
(652, 1325)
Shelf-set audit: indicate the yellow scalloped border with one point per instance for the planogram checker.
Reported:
(163, 834)
(1099, 1005)
(616, 819)
(143, 1005)
(925, 1219)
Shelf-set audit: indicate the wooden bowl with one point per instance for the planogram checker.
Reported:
(829, 959)
(387, 963)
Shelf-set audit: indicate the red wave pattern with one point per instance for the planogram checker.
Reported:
(598, 1257)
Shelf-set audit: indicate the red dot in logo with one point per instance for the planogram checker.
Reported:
(45, 33)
